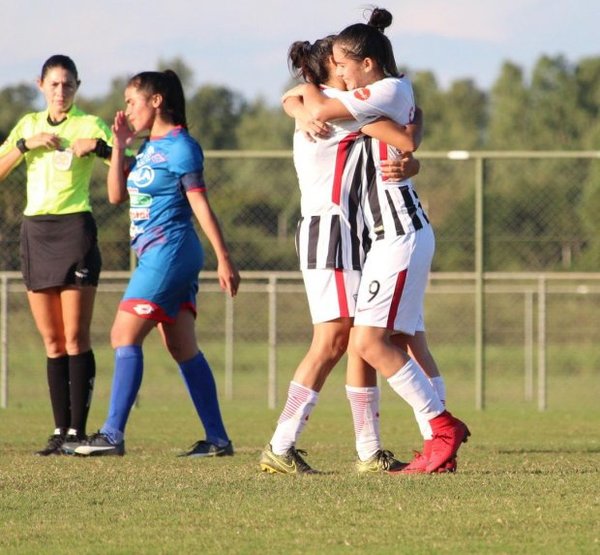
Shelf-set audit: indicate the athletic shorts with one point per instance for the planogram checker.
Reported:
(394, 279)
(58, 251)
(165, 280)
(331, 293)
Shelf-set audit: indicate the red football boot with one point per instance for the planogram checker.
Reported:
(416, 466)
(448, 434)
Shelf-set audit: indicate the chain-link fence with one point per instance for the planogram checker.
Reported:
(513, 295)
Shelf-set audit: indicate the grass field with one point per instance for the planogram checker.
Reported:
(528, 482)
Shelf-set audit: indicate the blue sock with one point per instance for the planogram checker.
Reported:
(127, 378)
(198, 378)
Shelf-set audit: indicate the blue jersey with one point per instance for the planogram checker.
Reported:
(165, 168)
(162, 231)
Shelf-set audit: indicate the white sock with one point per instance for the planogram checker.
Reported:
(424, 426)
(296, 411)
(364, 403)
(414, 387)
(440, 388)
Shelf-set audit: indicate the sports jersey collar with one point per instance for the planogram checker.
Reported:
(174, 132)
(73, 111)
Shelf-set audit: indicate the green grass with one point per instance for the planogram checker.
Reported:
(528, 481)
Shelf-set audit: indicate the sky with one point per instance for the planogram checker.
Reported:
(242, 44)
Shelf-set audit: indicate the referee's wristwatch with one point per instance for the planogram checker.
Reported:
(22, 146)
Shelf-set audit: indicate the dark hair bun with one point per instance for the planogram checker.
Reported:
(380, 18)
(298, 53)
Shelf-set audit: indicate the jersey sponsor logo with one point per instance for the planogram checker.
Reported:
(143, 309)
(139, 214)
(158, 158)
(139, 200)
(142, 176)
(362, 94)
(135, 230)
(150, 154)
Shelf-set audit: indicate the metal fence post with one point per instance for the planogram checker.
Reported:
(479, 286)
(228, 347)
(528, 348)
(272, 292)
(4, 342)
(542, 388)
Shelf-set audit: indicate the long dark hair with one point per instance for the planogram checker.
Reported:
(366, 40)
(168, 85)
(309, 61)
(60, 60)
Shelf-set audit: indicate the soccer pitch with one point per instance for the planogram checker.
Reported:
(528, 482)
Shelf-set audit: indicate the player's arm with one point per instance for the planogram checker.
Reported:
(391, 133)
(117, 174)
(11, 159)
(321, 107)
(229, 277)
(305, 122)
(406, 138)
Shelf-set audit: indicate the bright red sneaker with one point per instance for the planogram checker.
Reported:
(449, 466)
(416, 466)
(448, 434)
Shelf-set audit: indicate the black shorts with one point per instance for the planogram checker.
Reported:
(57, 251)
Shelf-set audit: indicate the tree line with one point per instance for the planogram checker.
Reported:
(554, 108)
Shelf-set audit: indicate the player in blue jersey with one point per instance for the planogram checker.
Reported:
(166, 190)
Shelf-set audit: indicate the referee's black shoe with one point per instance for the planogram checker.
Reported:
(54, 445)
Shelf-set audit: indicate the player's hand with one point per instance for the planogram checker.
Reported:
(313, 128)
(82, 147)
(123, 135)
(400, 169)
(229, 277)
(49, 141)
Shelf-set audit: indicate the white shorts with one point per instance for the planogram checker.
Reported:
(331, 293)
(394, 279)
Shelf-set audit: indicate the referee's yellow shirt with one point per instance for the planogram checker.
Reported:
(58, 181)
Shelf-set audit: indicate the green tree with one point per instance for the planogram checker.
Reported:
(465, 116)
(507, 128)
(429, 98)
(554, 118)
(15, 101)
(214, 114)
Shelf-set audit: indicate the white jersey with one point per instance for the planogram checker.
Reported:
(331, 231)
(390, 208)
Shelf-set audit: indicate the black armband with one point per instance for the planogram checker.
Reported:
(22, 146)
(102, 150)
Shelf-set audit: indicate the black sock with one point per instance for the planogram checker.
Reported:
(57, 370)
(82, 371)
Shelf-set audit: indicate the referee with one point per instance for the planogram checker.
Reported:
(60, 259)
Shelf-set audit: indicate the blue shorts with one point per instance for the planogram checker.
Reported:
(165, 280)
